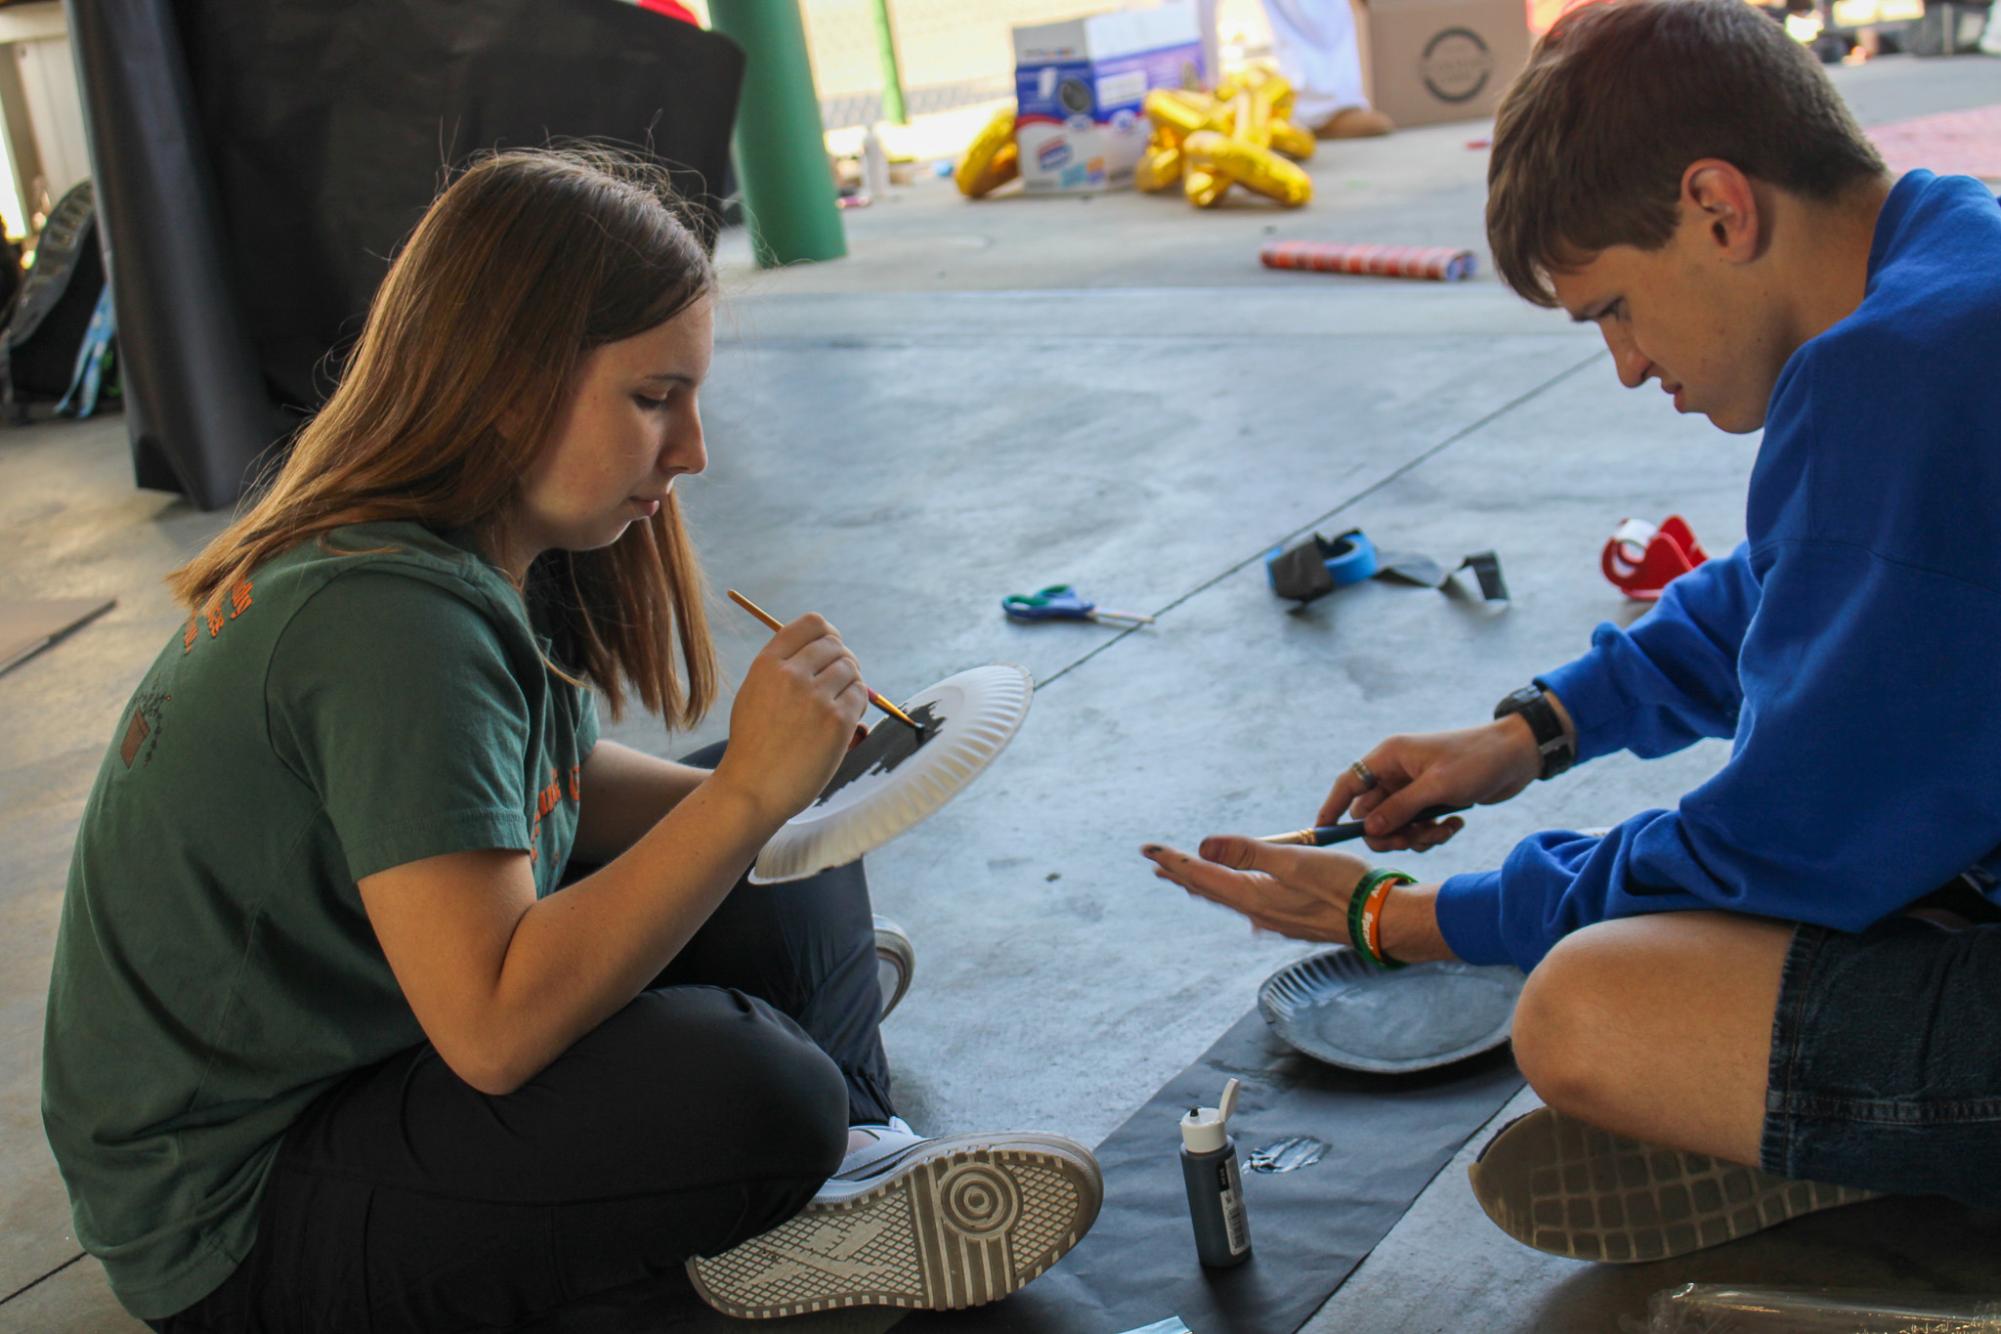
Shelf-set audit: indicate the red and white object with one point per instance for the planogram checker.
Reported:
(1642, 559)
(1440, 263)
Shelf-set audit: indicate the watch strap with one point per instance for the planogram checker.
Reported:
(1535, 709)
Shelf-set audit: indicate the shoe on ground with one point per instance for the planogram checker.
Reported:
(895, 961)
(925, 1224)
(1552, 1182)
(1354, 123)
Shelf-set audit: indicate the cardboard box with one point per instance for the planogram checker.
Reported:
(1079, 86)
(1438, 60)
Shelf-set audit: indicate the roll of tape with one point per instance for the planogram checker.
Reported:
(1350, 558)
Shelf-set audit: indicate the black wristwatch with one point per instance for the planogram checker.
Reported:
(1535, 708)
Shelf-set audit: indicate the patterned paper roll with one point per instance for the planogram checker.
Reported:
(1439, 262)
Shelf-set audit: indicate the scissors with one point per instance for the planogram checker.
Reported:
(1061, 602)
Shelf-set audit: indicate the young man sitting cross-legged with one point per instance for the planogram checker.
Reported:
(1759, 977)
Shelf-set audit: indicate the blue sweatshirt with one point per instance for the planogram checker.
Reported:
(1851, 648)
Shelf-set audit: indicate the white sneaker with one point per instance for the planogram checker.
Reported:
(895, 961)
(931, 1224)
(857, 1169)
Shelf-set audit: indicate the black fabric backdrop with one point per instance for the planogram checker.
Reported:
(257, 164)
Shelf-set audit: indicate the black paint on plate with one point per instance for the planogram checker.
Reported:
(889, 744)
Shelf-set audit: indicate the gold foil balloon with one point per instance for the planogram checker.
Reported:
(1248, 110)
(1178, 114)
(1205, 141)
(992, 160)
(1248, 165)
(1159, 168)
(1205, 189)
(1292, 140)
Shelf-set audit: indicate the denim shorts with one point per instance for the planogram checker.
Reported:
(1886, 1061)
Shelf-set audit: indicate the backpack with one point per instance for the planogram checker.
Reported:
(50, 315)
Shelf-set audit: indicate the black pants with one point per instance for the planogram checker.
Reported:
(705, 1112)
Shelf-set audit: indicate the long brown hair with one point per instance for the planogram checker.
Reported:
(525, 262)
(1592, 139)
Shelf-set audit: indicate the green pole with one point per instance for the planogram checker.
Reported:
(781, 151)
(892, 75)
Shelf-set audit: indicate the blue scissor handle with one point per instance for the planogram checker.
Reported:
(1058, 602)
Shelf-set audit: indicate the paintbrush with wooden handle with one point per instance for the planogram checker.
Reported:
(774, 623)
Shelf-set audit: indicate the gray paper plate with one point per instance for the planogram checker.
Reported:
(1335, 1008)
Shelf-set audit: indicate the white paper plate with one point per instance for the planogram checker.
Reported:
(977, 713)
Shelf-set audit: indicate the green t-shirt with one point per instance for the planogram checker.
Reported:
(338, 714)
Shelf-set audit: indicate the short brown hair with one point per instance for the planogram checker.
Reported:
(1591, 141)
(522, 265)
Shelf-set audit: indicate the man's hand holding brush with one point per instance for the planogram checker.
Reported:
(1392, 786)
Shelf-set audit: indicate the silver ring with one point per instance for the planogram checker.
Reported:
(1363, 772)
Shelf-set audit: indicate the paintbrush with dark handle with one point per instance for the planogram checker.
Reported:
(1321, 835)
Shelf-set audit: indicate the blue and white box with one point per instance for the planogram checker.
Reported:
(1079, 87)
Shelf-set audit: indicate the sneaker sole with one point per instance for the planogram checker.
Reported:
(1554, 1183)
(968, 1222)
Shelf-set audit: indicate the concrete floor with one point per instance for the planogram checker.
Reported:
(984, 399)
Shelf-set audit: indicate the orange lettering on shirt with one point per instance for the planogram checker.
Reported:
(547, 800)
(188, 639)
(214, 619)
(239, 598)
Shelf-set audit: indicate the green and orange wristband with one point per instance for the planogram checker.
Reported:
(1365, 915)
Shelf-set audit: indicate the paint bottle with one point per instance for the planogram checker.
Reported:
(1215, 1184)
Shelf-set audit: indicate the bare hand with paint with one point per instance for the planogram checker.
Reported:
(1480, 766)
(1298, 892)
(794, 717)
(1302, 893)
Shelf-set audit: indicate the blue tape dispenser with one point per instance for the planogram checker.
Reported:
(1318, 566)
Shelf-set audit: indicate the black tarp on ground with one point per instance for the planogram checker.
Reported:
(258, 163)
